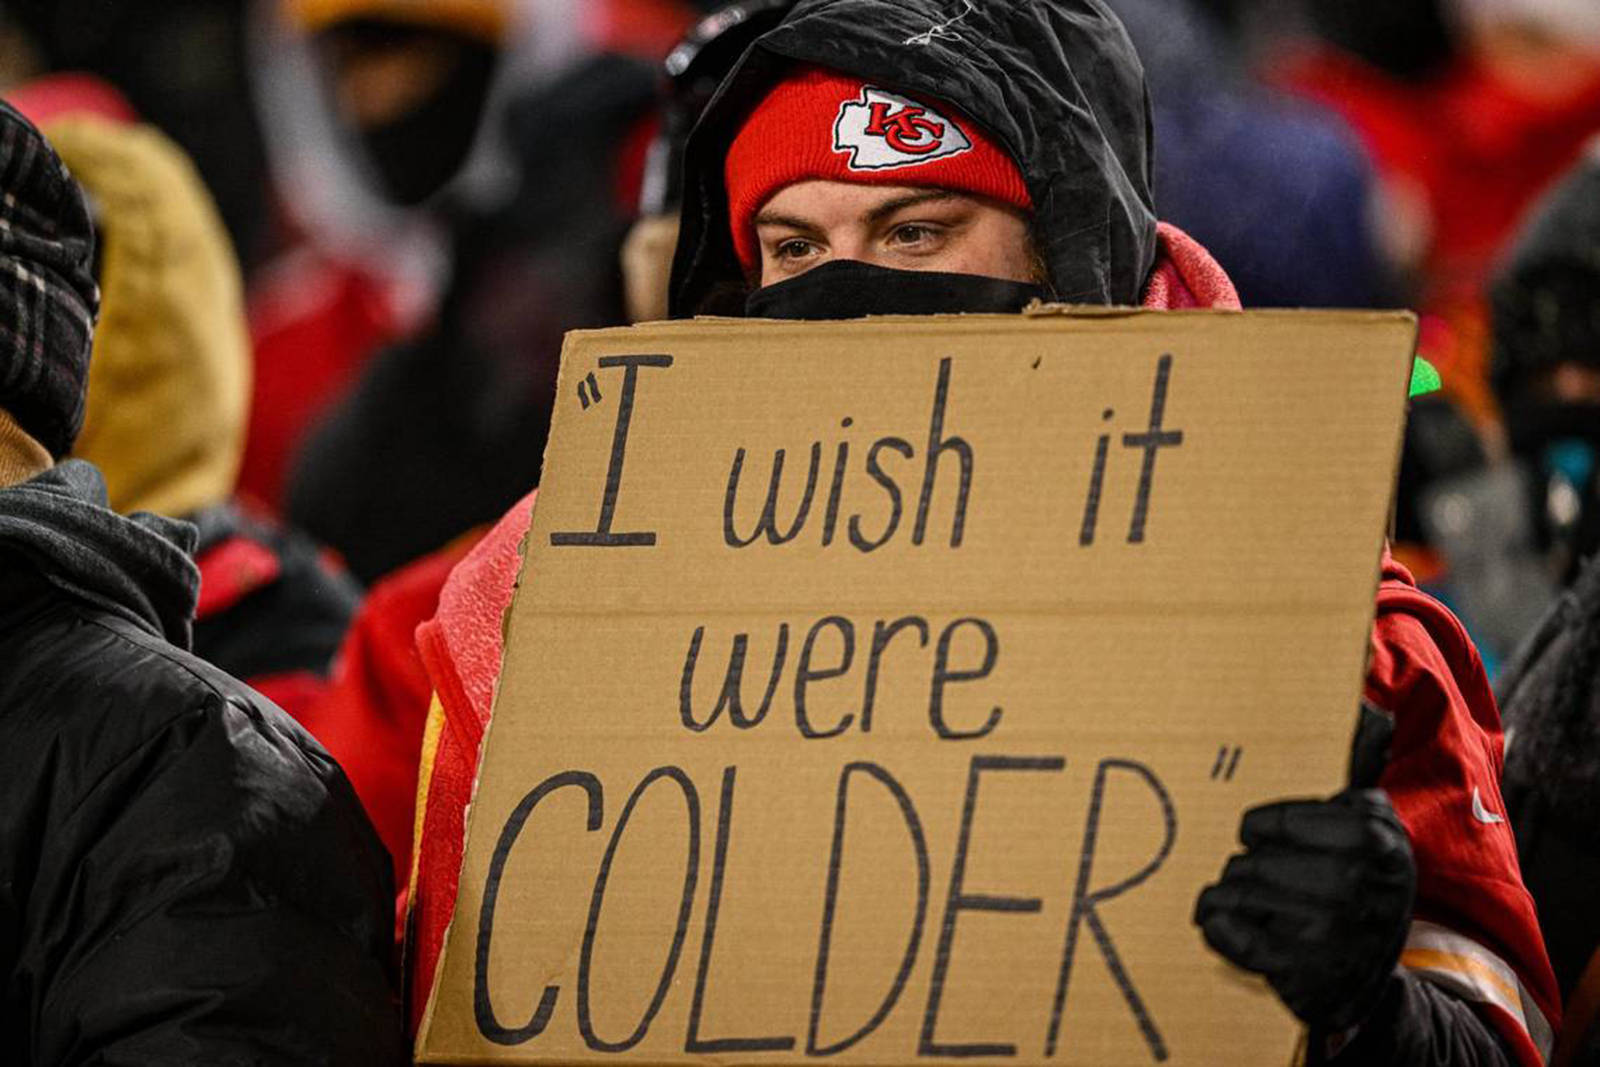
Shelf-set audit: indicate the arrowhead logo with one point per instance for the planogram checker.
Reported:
(1482, 814)
(883, 130)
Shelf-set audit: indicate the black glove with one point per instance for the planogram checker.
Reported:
(1319, 903)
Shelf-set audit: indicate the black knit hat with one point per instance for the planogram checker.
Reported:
(48, 296)
(1546, 299)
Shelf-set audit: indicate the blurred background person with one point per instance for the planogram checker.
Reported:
(185, 877)
(380, 715)
(689, 77)
(1546, 303)
(1236, 151)
(1550, 700)
(1470, 108)
(169, 389)
(443, 431)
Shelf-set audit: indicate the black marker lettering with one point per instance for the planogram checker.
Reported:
(719, 864)
(875, 469)
(1097, 480)
(482, 1003)
(1085, 903)
(959, 900)
(943, 675)
(601, 536)
(691, 871)
(908, 812)
(937, 446)
(732, 696)
(768, 523)
(841, 460)
(804, 675)
(1151, 441)
(882, 634)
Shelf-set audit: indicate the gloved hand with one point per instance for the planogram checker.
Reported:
(1319, 903)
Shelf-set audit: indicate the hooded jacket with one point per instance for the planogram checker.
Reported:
(169, 392)
(1551, 697)
(1057, 84)
(185, 877)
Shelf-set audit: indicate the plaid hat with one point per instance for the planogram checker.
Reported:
(48, 296)
(820, 125)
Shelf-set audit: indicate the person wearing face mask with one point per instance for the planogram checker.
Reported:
(975, 159)
(1546, 365)
(1546, 304)
(440, 432)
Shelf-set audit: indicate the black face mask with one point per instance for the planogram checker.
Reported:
(850, 289)
(418, 153)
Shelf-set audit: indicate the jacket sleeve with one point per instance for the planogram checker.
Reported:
(215, 897)
(1475, 935)
(1418, 1024)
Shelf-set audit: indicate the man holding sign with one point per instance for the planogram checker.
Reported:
(972, 160)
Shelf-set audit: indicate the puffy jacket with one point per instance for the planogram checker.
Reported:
(1551, 696)
(185, 876)
(168, 396)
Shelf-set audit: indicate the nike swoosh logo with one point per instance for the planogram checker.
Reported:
(1481, 813)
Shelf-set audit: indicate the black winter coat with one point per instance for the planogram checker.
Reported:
(1550, 701)
(185, 876)
(1055, 82)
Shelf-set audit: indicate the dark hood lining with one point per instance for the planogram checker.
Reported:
(138, 567)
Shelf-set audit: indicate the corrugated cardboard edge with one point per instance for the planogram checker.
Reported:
(572, 339)
(691, 327)
(1035, 310)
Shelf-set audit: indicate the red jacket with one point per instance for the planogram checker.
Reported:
(1475, 932)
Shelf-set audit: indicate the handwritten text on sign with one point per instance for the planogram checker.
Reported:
(886, 691)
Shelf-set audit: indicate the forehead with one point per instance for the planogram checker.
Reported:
(828, 203)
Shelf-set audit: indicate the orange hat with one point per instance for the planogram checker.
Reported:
(486, 19)
(818, 124)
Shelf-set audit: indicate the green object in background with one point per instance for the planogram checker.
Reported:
(1424, 378)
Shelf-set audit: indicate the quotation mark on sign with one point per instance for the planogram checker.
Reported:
(1227, 763)
(589, 391)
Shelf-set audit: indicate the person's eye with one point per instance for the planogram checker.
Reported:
(915, 236)
(793, 248)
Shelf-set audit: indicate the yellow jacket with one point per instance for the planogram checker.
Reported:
(169, 381)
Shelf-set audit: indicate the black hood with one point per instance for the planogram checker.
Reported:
(138, 567)
(1543, 300)
(1055, 82)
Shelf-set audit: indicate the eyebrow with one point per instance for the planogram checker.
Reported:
(900, 203)
(793, 222)
(876, 215)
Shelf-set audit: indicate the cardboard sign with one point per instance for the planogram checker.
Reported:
(885, 692)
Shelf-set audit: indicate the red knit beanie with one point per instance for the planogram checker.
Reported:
(820, 125)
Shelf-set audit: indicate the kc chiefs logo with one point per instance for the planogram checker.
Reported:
(882, 130)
